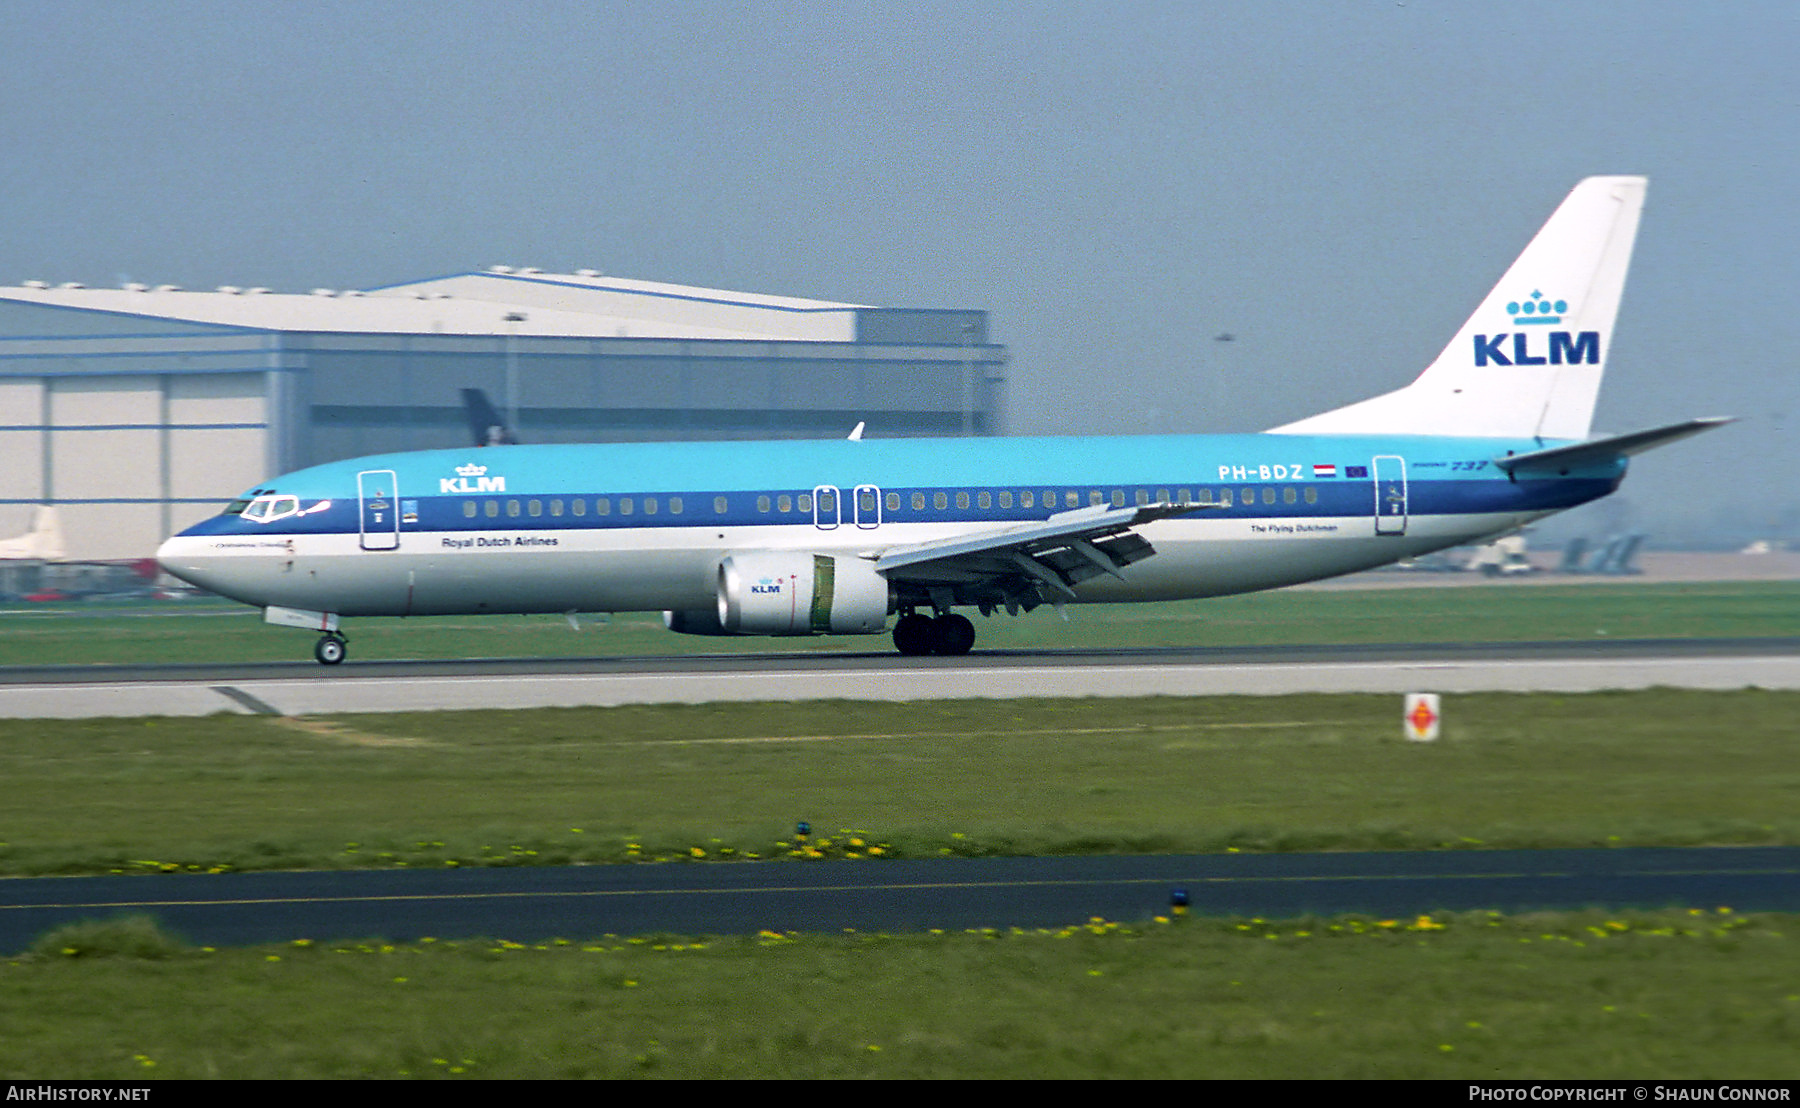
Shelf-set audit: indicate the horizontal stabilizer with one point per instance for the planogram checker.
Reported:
(1608, 449)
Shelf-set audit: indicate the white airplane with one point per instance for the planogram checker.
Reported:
(835, 537)
(43, 543)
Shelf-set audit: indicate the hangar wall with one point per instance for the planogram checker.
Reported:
(375, 393)
(129, 436)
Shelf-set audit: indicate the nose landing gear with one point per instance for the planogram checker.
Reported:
(330, 649)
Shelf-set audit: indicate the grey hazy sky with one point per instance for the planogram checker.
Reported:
(1337, 184)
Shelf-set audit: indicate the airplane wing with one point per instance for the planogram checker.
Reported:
(1020, 567)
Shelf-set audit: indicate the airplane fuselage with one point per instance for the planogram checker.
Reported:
(835, 537)
(644, 527)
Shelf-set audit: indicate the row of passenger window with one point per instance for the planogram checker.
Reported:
(602, 506)
(983, 499)
(1072, 498)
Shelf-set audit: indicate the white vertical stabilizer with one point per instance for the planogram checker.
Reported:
(1529, 361)
(43, 543)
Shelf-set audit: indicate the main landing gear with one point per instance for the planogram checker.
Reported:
(948, 634)
(330, 649)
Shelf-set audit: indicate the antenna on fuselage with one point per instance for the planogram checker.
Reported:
(856, 435)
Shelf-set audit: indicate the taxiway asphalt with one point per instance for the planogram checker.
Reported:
(536, 903)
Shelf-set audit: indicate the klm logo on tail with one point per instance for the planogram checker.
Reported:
(1564, 348)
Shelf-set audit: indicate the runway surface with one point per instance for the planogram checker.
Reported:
(528, 904)
(302, 688)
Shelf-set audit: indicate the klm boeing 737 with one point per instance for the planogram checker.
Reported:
(836, 537)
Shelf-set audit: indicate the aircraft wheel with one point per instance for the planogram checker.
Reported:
(952, 635)
(329, 650)
(912, 635)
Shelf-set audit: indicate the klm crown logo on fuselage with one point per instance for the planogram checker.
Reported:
(471, 478)
(1556, 347)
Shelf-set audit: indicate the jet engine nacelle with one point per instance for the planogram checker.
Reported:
(778, 592)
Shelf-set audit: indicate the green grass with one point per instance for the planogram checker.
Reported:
(100, 634)
(117, 937)
(1701, 994)
(1169, 774)
(1668, 995)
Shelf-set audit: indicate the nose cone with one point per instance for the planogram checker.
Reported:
(175, 556)
(197, 560)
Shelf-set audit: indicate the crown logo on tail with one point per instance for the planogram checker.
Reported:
(1536, 311)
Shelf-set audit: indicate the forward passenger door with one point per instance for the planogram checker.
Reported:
(379, 509)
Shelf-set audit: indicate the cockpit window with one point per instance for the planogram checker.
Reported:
(267, 509)
(236, 507)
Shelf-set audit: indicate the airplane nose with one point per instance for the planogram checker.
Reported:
(198, 560)
(176, 558)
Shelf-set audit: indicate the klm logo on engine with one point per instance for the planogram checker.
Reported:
(768, 586)
(1557, 347)
(471, 478)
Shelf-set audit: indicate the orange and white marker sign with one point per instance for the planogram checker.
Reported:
(1422, 717)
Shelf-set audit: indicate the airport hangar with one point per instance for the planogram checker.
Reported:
(138, 411)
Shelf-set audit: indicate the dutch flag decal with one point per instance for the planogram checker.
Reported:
(1324, 471)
